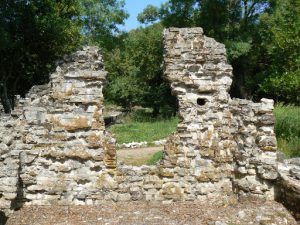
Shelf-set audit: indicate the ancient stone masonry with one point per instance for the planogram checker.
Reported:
(58, 144)
(222, 144)
(54, 148)
(288, 185)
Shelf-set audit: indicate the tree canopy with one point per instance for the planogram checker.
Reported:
(136, 71)
(280, 33)
(257, 33)
(33, 35)
(262, 38)
(101, 19)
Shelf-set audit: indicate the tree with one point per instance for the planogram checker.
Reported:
(33, 35)
(101, 19)
(233, 22)
(176, 13)
(135, 71)
(150, 15)
(280, 35)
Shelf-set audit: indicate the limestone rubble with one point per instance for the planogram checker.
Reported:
(54, 148)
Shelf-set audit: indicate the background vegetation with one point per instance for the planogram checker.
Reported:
(155, 158)
(287, 129)
(262, 38)
(141, 126)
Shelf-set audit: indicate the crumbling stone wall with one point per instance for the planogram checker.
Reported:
(54, 149)
(288, 185)
(58, 145)
(223, 143)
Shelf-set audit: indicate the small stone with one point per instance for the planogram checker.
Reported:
(220, 223)
(3, 149)
(241, 214)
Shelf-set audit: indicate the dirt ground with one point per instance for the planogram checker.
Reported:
(156, 213)
(136, 156)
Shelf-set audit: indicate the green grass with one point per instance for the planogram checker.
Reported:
(287, 129)
(155, 158)
(141, 126)
(138, 128)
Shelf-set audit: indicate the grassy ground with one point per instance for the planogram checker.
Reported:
(287, 129)
(138, 128)
(155, 158)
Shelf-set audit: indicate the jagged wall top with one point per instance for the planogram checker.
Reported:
(196, 64)
(84, 65)
(58, 139)
(60, 152)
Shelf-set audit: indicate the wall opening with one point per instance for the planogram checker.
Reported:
(140, 136)
(201, 101)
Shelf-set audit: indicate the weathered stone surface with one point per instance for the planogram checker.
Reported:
(57, 145)
(54, 148)
(289, 185)
(219, 138)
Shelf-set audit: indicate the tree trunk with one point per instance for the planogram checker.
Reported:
(244, 23)
(155, 111)
(4, 97)
(13, 93)
(242, 88)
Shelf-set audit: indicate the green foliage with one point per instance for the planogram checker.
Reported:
(289, 146)
(135, 71)
(220, 19)
(283, 86)
(236, 49)
(262, 38)
(175, 13)
(33, 35)
(101, 20)
(125, 91)
(287, 129)
(231, 22)
(140, 129)
(150, 14)
(155, 158)
(223, 20)
(178, 13)
(280, 33)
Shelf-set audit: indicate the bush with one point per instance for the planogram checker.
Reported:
(287, 129)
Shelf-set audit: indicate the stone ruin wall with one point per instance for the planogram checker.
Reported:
(57, 144)
(54, 148)
(226, 144)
